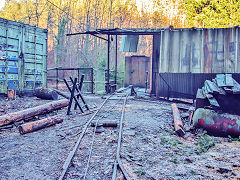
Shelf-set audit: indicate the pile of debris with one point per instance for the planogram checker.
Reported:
(222, 93)
(217, 106)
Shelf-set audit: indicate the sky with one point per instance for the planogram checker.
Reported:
(2, 2)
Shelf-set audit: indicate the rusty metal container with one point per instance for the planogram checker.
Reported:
(217, 124)
(23, 57)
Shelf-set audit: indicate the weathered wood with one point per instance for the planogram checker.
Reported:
(40, 124)
(105, 124)
(11, 94)
(31, 112)
(229, 80)
(221, 91)
(236, 88)
(220, 78)
(178, 124)
(46, 93)
(62, 94)
(214, 88)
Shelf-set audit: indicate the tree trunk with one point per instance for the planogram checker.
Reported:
(31, 112)
(46, 93)
(40, 124)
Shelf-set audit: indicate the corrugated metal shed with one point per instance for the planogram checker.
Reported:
(23, 56)
(200, 50)
(188, 57)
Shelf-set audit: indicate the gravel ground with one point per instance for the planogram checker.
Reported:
(150, 149)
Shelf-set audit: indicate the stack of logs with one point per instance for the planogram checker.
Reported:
(31, 112)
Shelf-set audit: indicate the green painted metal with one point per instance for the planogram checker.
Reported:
(23, 57)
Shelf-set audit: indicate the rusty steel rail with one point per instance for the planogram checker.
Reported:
(73, 151)
(118, 161)
(91, 148)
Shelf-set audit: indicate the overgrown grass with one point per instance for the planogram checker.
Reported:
(205, 142)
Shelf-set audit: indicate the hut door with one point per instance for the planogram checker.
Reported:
(136, 68)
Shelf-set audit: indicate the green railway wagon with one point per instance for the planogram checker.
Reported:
(23, 57)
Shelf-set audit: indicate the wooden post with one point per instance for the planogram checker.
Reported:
(178, 124)
(40, 124)
(92, 79)
(108, 67)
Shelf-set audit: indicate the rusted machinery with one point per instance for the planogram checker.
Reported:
(217, 106)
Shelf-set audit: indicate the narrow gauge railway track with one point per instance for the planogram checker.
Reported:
(97, 156)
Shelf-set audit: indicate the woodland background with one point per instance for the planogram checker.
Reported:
(69, 16)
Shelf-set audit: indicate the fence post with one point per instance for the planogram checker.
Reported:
(57, 78)
(92, 79)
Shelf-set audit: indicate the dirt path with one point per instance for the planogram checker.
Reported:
(150, 148)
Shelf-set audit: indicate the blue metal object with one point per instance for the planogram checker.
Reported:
(23, 57)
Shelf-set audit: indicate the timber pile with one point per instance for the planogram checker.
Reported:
(31, 112)
(222, 93)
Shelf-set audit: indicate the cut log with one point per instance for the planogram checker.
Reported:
(178, 124)
(40, 124)
(31, 112)
(46, 93)
(110, 124)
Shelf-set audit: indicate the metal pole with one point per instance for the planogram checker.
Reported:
(92, 79)
(57, 79)
(108, 66)
(116, 53)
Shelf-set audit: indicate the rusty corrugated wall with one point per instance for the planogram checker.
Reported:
(187, 57)
(200, 50)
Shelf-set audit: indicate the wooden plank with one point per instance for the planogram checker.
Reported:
(229, 80)
(221, 90)
(214, 88)
(236, 87)
(228, 90)
(200, 94)
(207, 87)
(213, 102)
(206, 93)
(220, 78)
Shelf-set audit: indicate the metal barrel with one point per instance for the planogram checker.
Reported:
(217, 124)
